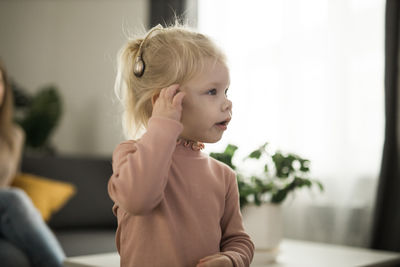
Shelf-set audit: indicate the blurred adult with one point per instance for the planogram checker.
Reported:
(25, 239)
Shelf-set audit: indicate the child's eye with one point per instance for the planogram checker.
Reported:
(212, 91)
(226, 91)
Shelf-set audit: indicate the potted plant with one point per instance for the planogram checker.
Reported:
(38, 115)
(262, 193)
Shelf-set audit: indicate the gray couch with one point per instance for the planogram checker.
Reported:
(85, 225)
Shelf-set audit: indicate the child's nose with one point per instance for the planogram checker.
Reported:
(227, 105)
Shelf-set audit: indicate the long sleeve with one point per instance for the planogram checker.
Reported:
(140, 168)
(235, 243)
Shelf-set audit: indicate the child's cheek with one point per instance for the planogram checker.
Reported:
(184, 102)
(187, 100)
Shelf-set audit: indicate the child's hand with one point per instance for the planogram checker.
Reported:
(216, 260)
(169, 103)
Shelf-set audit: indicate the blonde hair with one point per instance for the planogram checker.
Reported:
(174, 54)
(6, 111)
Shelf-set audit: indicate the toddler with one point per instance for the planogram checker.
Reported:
(175, 205)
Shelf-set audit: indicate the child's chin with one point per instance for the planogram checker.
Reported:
(212, 140)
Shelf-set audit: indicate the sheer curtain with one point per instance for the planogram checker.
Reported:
(307, 76)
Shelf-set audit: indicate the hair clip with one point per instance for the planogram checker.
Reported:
(138, 67)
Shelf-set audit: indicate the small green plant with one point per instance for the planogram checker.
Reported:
(281, 174)
(38, 115)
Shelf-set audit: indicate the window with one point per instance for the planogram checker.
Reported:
(307, 76)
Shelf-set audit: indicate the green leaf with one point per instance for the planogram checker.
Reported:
(304, 165)
(321, 187)
(230, 149)
(266, 168)
(256, 154)
(257, 181)
(226, 156)
(279, 196)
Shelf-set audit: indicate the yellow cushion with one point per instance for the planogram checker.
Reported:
(47, 195)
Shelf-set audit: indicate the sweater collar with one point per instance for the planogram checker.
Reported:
(188, 147)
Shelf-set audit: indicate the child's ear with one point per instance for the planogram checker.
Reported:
(154, 98)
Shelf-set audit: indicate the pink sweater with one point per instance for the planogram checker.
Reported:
(174, 205)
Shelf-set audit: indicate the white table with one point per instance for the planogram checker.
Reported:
(292, 253)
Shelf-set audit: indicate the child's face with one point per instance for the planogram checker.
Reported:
(206, 104)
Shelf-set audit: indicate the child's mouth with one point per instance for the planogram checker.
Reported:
(223, 125)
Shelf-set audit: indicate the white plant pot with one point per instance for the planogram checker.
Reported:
(264, 225)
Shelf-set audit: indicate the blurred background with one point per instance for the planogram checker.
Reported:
(306, 76)
(72, 44)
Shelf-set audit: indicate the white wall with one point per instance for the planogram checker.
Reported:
(72, 44)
